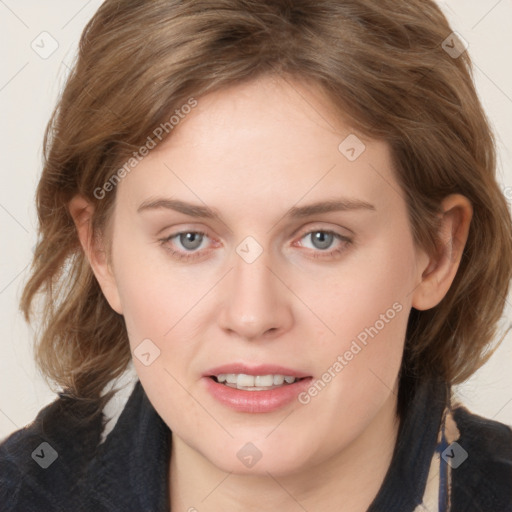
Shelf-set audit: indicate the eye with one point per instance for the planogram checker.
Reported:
(190, 240)
(188, 244)
(322, 241)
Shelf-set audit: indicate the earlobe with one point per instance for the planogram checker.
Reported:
(82, 211)
(438, 275)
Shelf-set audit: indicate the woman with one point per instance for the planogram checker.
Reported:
(286, 214)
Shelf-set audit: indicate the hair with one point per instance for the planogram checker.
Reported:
(382, 65)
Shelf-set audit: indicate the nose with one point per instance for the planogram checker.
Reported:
(257, 304)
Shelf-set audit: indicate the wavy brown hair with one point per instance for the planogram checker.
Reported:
(382, 65)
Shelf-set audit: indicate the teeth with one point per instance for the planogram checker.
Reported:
(264, 380)
(246, 381)
(278, 380)
(243, 381)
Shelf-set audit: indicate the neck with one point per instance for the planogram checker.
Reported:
(347, 481)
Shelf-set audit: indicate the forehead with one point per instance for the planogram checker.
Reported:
(271, 142)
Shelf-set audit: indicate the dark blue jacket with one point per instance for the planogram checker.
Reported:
(58, 463)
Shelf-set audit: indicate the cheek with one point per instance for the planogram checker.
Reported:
(147, 308)
(154, 296)
(367, 312)
(366, 294)
(161, 304)
(155, 307)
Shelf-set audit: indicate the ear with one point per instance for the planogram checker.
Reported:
(439, 272)
(81, 211)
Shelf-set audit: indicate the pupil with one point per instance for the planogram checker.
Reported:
(323, 240)
(189, 241)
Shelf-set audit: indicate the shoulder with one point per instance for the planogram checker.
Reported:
(484, 480)
(41, 463)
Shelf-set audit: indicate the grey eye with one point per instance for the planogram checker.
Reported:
(321, 239)
(191, 240)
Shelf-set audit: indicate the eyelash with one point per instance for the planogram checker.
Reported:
(318, 254)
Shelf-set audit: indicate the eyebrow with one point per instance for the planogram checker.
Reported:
(194, 210)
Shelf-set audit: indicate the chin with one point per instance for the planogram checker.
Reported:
(258, 458)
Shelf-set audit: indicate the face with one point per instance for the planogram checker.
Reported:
(257, 243)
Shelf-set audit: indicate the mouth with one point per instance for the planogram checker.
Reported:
(247, 382)
(255, 389)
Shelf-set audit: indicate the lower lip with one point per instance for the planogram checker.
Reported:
(256, 401)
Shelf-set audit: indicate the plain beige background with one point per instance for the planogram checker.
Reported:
(39, 41)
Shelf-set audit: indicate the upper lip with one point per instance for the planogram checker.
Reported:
(260, 369)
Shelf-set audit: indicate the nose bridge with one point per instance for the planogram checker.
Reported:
(256, 303)
(252, 281)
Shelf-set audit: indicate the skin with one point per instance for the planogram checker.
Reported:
(252, 152)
